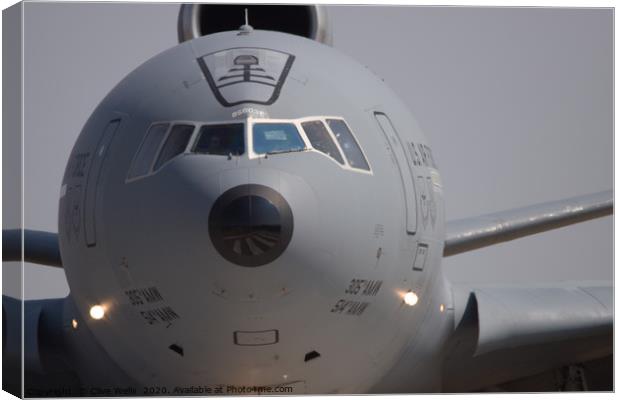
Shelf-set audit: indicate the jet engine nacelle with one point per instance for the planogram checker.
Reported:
(309, 21)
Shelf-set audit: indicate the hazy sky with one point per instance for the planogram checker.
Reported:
(516, 104)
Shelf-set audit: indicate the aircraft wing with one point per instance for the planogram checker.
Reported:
(485, 230)
(503, 333)
(39, 247)
(511, 333)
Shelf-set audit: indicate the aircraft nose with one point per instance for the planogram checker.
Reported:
(251, 225)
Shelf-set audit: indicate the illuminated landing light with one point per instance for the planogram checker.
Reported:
(442, 308)
(74, 323)
(97, 312)
(410, 299)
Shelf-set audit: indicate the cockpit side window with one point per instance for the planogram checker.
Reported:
(223, 140)
(321, 140)
(144, 158)
(350, 148)
(271, 138)
(175, 144)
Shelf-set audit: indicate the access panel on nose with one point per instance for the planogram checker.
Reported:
(93, 183)
(397, 149)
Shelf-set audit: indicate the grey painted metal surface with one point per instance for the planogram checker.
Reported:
(152, 232)
(503, 333)
(485, 230)
(513, 317)
(350, 229)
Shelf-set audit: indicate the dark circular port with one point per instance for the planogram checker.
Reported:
(251, 225)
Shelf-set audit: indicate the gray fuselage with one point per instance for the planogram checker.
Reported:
(327, 315)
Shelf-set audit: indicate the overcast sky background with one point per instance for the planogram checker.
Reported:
(516, 104)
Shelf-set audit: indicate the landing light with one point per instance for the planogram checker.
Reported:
(97, 312)
(410, 299)
(74, 323)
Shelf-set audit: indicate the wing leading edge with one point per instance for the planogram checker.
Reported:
(486, 230)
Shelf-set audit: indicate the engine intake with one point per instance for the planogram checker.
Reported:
(309, 21)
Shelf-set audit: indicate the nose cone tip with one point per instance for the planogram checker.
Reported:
(251, 225)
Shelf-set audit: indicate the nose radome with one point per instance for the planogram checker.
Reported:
(251, 225)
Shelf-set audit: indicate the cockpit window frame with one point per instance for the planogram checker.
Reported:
(248, 136)
(152, 171)
(193, 142)
(330, 135)
(251, 133)
(356, 142)
(309, 147)
(346, 165)
(160, 150)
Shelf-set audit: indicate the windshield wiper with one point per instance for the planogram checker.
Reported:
(285, 151)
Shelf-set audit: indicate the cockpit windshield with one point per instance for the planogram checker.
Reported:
(321, 140)
(175, 144)
(254, 137)
(348, 144)
(224, 139)
(271, 138)
(142, 161)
